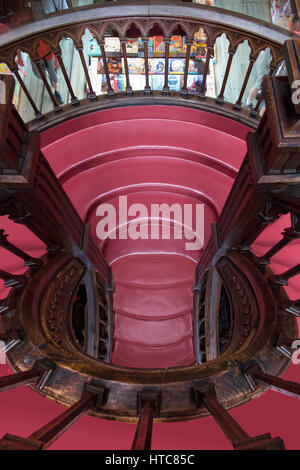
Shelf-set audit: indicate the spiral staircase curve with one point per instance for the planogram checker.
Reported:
(165, 154)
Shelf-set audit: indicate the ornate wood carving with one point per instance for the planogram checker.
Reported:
(56, 305)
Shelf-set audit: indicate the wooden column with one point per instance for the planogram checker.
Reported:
(39, 374)
(220, 97)
(12, 280)
(166, 90)
(278, 384)
(238, 103)
(128, 86)
(92, 398)
(210, 52)
(86, 72)
(148, 403)
(206, 395)
(28, 260)
(283, 278)
(147, 89)
(74, 99)
(289, 234)
(56, 104)
(16, 72)
(110, 91)
(189, 42)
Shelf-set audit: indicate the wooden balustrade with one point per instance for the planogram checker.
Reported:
(144, 23)
(278, 384)
(28, 260)
(206, 395)
(266, 188)
(34, 197)
(39, 374)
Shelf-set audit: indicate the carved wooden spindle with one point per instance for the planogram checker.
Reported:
(110, 90)
(293, 307)
(233, 431)
(283, 278)
(92, 398)
(16, 72)
(189, 43)
(3, 306)
(12, 280)
(238, 103)
(128, 86)
(56, 105)
(220, 97)
(58, 55)
(254, 111)
(210, 53)
(148, 403)
(28, 260)
(206, 395)
(278, 384)
(289, 234)
(147, 89)
(92, 94)
(285, 349)
(39, 374)
(167, 42)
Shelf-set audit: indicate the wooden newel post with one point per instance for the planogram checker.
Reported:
(206, 395)
(93, 397)
(148, 403)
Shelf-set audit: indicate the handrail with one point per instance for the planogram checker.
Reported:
(152, 9)
(168, 16)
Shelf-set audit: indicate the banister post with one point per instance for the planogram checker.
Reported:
(93, 397)
(206, 395)
(148, 403)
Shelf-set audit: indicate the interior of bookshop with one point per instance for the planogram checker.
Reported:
(280, 12)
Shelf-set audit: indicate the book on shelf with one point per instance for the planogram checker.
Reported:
(114, 65)
(159, 46)
(176, 45)
(132, 46)
(157, 82)
(137, 82)
(94, 48)
(112, 44)
(175, 82)
(194, 83)
(120, 82)
(135, 65)
(176, 66)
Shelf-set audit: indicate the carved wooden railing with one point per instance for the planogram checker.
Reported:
(37, 313)
(128, 21)
(267, 187)
(31, 195)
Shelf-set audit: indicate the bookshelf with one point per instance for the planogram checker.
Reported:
(156, 64)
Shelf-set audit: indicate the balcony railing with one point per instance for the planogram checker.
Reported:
(36, 314)
(167, 48)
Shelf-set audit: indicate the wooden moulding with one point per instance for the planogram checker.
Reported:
(174, 384)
